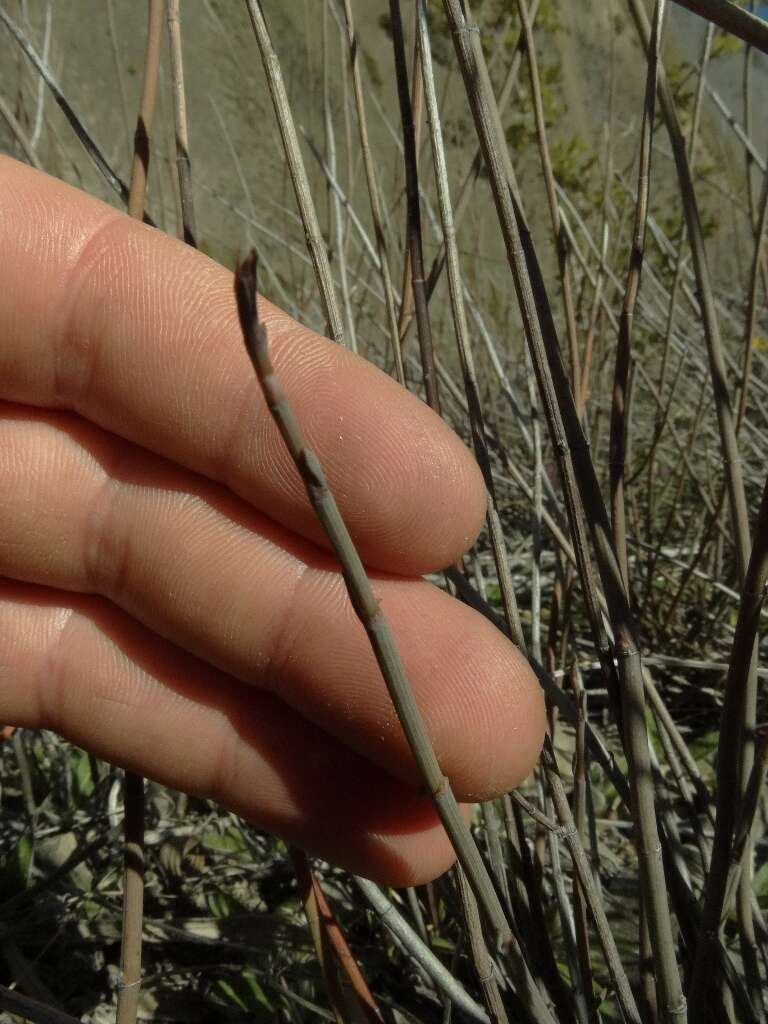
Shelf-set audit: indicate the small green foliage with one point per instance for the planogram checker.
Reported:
(761, 884)
(82, 777)
(574, 164)
(724, 45)
(15, 865)
(244, 992)
(231, 840)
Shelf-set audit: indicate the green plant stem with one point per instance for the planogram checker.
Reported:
(459, 314)
(413, 233)
(306, 205)
(380, 636)
(406, 937)
(485, 968)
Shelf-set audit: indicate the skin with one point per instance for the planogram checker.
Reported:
(166, 597)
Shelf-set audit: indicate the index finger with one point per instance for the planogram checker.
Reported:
(138, 333)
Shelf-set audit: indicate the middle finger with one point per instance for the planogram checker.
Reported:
(86, 511)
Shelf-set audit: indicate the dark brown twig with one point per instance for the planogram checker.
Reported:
(733, 19)
(415, 251)
(22, 1006)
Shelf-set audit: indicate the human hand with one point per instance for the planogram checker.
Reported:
(166, 600)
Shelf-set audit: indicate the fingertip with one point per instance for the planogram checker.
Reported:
(510, 738)
(489, 723)
(410, 491)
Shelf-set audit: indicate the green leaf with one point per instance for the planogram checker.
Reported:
(761, 882)
(82, 777)
(219, 904)
(231, 840)
(23, 856)
(245, 992)
(15, 865)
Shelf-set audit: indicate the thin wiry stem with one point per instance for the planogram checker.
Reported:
(93, 151)
(481, 959)
(415, 250)
(563, 256)
(580, 1011)
(458, 309)
(183, 166)
(381, 639)
(314, 238)
(747, 818)
(374, 195)
(336, 226)
(118, 66)
(416, 101)
(464, 193)
(308, 893)
(662, 414)
(482, 962)
(750, 317)
(140, 165)
(732, 466)
(581, 802)
(530, 914)
(730, 452)
(751, 158)
(570, 318)
(592, 896)
(19, 134)
(619, 406)
(440, 976)
(331, 946)
(40, 105)
(559, 407)
(576, 519)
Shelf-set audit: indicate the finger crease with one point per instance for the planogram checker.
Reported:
(226, 449)
(106, 549)
(51, 683)
(75, 356)
(284, 637)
